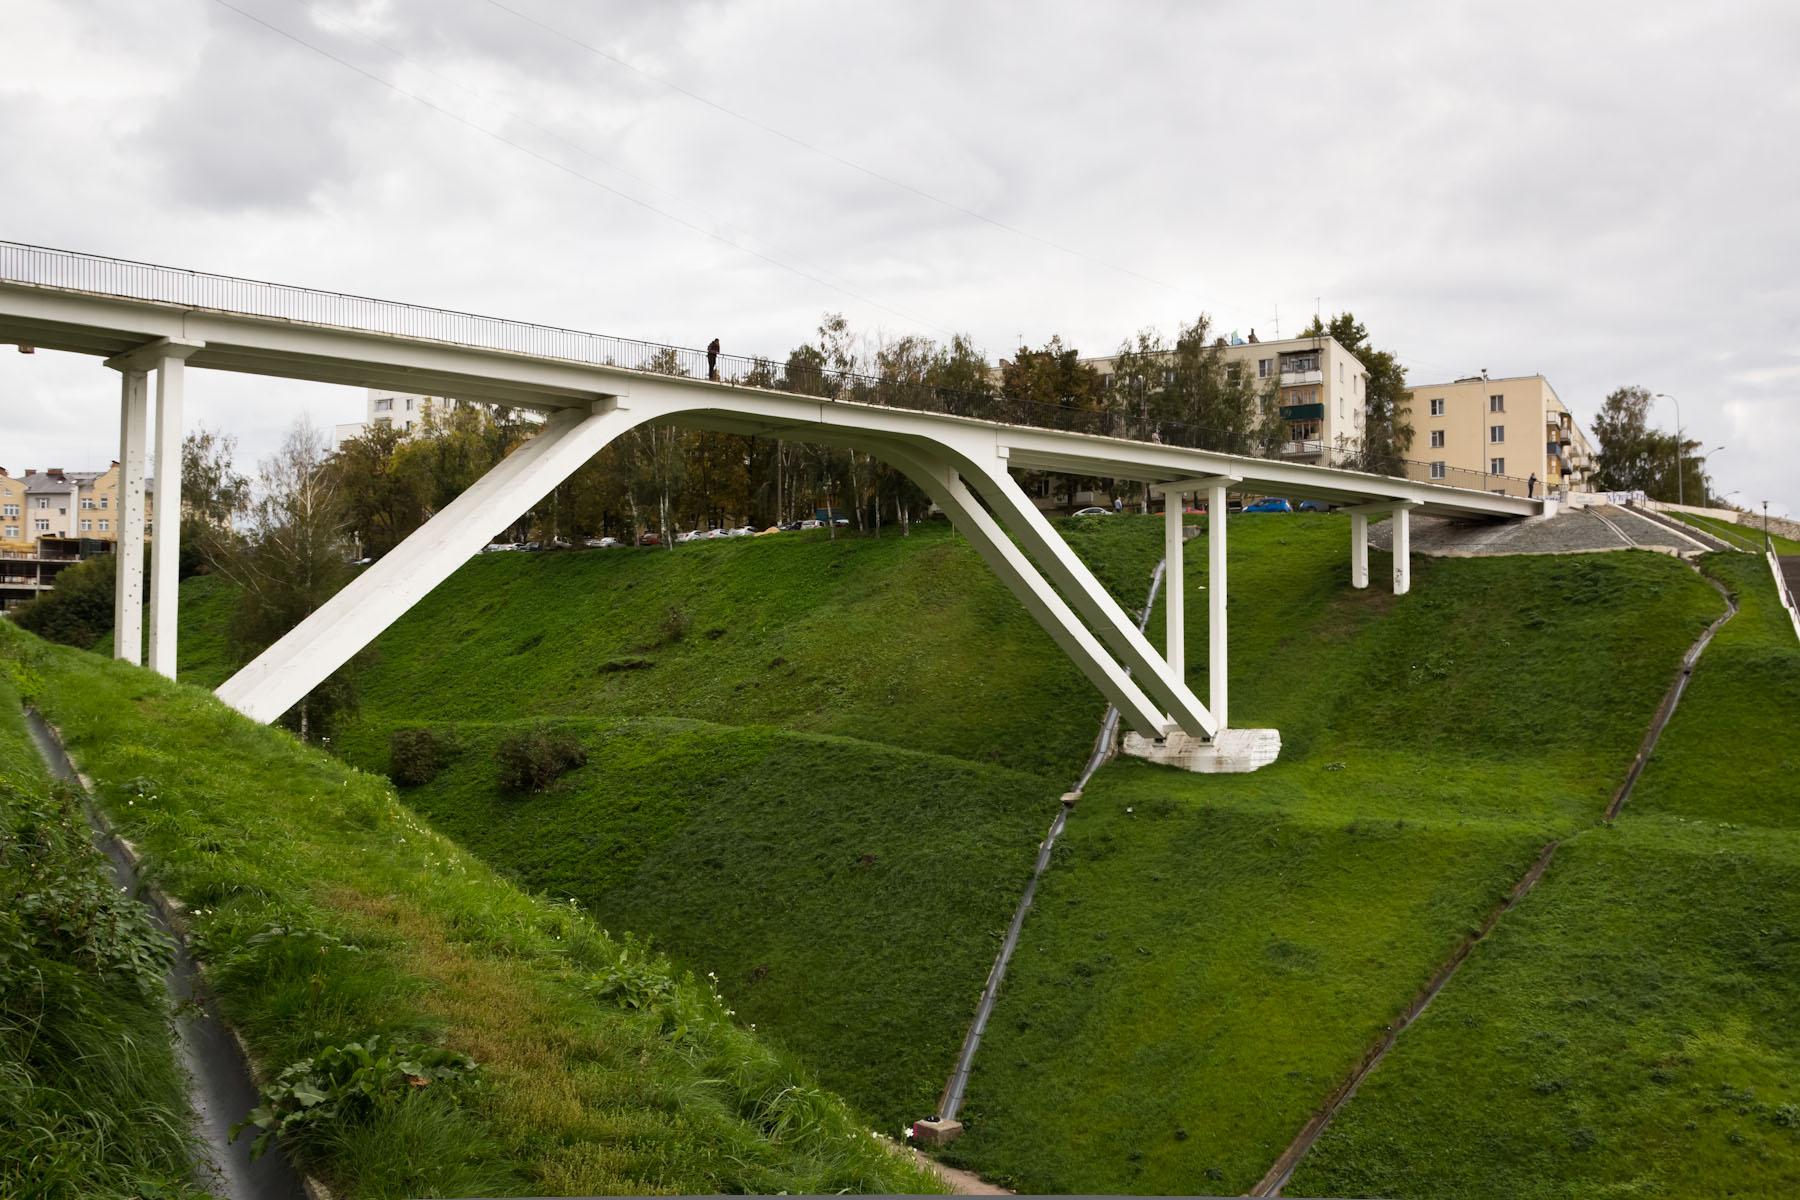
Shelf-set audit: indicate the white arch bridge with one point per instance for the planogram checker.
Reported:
(145, 320)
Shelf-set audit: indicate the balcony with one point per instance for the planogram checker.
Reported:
(1298, 378)
(1303, 412)
(1302, 448)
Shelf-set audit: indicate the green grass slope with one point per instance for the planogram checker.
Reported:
(905, 641)
(1628, 1030)
(1211, 955)
(325, 914)
(848, 896)
(91, 1099)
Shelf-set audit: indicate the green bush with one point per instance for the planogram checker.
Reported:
(532, 760)
(78, 610)
(415, 756)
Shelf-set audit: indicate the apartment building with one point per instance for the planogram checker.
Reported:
(1321, 388)
(404, 411)
(1495, 434)
(50, 519)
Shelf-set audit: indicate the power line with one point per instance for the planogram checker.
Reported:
(833, 156)
(564, 167)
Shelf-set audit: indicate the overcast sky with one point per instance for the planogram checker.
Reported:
(1604, 193)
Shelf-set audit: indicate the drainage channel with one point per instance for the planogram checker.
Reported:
(219, 1084)
(1285, 1165)
(990, 992)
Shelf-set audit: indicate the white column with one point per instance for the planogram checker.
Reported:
(1402, 550)
(1174, 585)
(128, 593)
(165, 539)
(1359, 550)
(1216, 657)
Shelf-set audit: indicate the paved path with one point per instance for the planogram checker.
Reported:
(1573, 531)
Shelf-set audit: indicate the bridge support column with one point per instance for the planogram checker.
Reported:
(1216, 648)
(1174, 588)
(1402, 551)
(1359, 549)
(167, 357)
(347, 622)
(128, 586)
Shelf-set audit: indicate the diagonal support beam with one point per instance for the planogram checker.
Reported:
(942, 483)
(1070, 574)
(347, 622)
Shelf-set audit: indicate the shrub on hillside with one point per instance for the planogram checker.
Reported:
(78, 609)
(531, 760)
(415, 756)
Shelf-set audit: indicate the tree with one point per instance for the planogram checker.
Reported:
(213, 496)
(1053, 378)
(381, 504)
(291, 563)
(1387, 428)
(1633, 456)
(1215, 397)
(78, 608)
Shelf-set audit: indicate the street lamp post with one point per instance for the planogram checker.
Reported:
(1677, 404)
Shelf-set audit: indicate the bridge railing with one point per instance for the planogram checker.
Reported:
(47, 267)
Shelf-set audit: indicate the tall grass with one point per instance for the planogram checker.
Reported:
(91, 1098)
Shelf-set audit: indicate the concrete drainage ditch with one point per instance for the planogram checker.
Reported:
(220, 1086)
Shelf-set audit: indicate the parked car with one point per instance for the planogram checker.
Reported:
(496, 547)
(1314, 506)
(809, 523)
(740, 531)
(602, 543)
(649, 539)
(1092, 511)
(793, 526)
(1273, 504)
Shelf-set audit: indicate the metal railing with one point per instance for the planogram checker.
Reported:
(46, 267)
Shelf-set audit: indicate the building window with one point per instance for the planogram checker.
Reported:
(1437, 408)
(12, 510)
(1340, 372)
(43, 502)
(385, 404)
(105, 526)
(1496, 466)
(409, 401)
(87, 526)
(87, 502)
(1437, 470)
(1497, 403)
(103, 502)
(41, 525)
(1496, 434)
(12, 531)
(1437, 439)
(1265, 367)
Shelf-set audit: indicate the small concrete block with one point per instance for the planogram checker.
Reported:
(1233, 751)
(1069, 798)
(937, 1133)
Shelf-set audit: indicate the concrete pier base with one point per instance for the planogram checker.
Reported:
(937, 1133)
(1232, 752)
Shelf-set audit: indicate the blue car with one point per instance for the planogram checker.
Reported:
(1273, 504)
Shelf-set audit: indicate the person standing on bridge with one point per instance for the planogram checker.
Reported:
(712, 360)
(1531, 486)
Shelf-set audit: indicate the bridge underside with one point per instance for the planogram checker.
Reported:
(965, 465)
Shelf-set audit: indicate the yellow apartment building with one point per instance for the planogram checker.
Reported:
(1496, 435)
(45, 516)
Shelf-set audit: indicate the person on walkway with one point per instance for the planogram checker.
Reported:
(1118, 504)
(712, 360)
(1531, 486)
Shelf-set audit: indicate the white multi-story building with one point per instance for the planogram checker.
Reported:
(404, 411)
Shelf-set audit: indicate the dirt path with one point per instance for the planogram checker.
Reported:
(1283, 1168)
(963, 1183)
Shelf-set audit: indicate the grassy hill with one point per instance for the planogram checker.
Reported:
(1629, 1028)
(1208, 956)
(339, 929)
